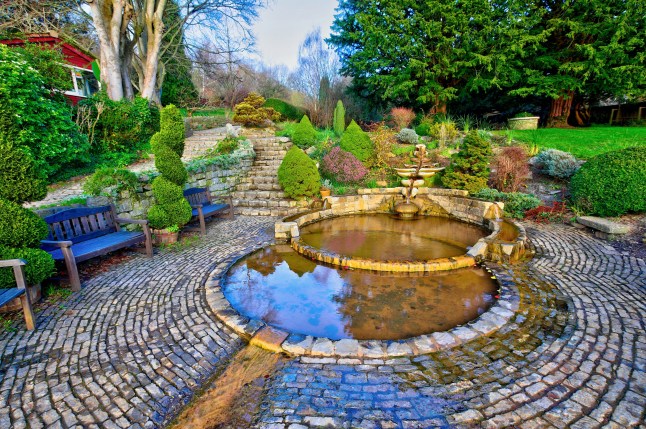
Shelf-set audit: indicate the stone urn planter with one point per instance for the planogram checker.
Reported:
(526, 123)
(35, 294)
(165, 236)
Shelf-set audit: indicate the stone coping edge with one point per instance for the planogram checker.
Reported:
(433, 265)
(293, 344)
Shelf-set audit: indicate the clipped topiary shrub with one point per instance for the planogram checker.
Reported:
(338, 123)
(251, 113)
(357, 142)
(171, 208)
(557, 163)
(407, 136)
(20, 180)
(304, 134)
(342, 166)
(611, 184)
(469, 168)
(20, 227)
(288, 112)
(169, 164)
(298, 175)
(40, 266)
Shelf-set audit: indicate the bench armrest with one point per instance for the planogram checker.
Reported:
(135, 221)
(12, 262)
(60, 244)
(197, 206)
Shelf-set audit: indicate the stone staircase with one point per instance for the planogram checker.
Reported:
(259, 194)
(201, 141)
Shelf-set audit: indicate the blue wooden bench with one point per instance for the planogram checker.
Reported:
(80, 234)
(20, 291)
(204, 207)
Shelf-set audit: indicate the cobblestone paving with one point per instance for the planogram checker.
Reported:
(130, 348)
(551, 367)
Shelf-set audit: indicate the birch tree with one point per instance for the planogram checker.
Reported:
(130, 34)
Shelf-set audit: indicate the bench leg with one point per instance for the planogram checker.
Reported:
(72, 271)
(200, 214)
(149, 241)
(25, 300)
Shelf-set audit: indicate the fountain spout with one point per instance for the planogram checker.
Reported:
(413, 177)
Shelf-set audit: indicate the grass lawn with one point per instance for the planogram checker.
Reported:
(583, 142)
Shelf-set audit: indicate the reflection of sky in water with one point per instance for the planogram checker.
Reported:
(301, 296)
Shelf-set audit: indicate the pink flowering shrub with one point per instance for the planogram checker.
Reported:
(342, 166)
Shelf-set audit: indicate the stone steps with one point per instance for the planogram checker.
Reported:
(259, 194)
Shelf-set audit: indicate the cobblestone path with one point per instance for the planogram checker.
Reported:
(550, 367)
(130, 349)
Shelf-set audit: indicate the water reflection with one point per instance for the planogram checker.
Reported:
(381, 237)
(289, 291)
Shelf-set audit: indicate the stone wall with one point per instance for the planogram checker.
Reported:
(434, 201)
(219, 174)
(220, 182)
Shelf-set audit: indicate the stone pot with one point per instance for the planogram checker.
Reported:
(528, 123)
(164, 236)
(35, 294)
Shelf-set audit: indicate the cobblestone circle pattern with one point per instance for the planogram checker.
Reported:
(138, 341)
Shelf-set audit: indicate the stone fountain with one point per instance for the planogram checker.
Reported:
(413, 176)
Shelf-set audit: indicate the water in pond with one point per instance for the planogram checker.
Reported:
(382, 237)
(291, 292)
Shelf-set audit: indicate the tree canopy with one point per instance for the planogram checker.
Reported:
(426, 53)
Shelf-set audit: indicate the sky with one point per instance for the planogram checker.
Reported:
(283, 25)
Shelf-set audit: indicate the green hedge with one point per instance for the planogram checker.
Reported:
(298, 175)
(20, 180)
(611, 184)
(288, 112)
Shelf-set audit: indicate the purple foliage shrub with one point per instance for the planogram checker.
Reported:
(343, 167)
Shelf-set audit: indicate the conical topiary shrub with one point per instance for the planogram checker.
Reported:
(304, 133)
(469, 168)
(339, 119)
(171, 208)
(298, 175)
(357, 142)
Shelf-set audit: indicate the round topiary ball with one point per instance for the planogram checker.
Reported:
(304, 134)
(20, 227)
(40, 266)
(611, 184)
(298, 175)
(357, 142)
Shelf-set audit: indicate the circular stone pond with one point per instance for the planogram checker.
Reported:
(290, 292)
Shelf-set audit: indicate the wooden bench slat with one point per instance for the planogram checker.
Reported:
(76, 224)
(7, 295)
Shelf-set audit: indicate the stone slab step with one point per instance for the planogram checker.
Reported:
(249, 211)
(603, 225)
(259, 194)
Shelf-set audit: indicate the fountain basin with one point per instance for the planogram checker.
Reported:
(381, 242)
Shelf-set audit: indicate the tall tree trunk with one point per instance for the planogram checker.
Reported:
(155, 30)
(126, 67)
(108, 29)
(560, 110)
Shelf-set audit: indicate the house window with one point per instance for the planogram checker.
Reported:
(84, 83)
